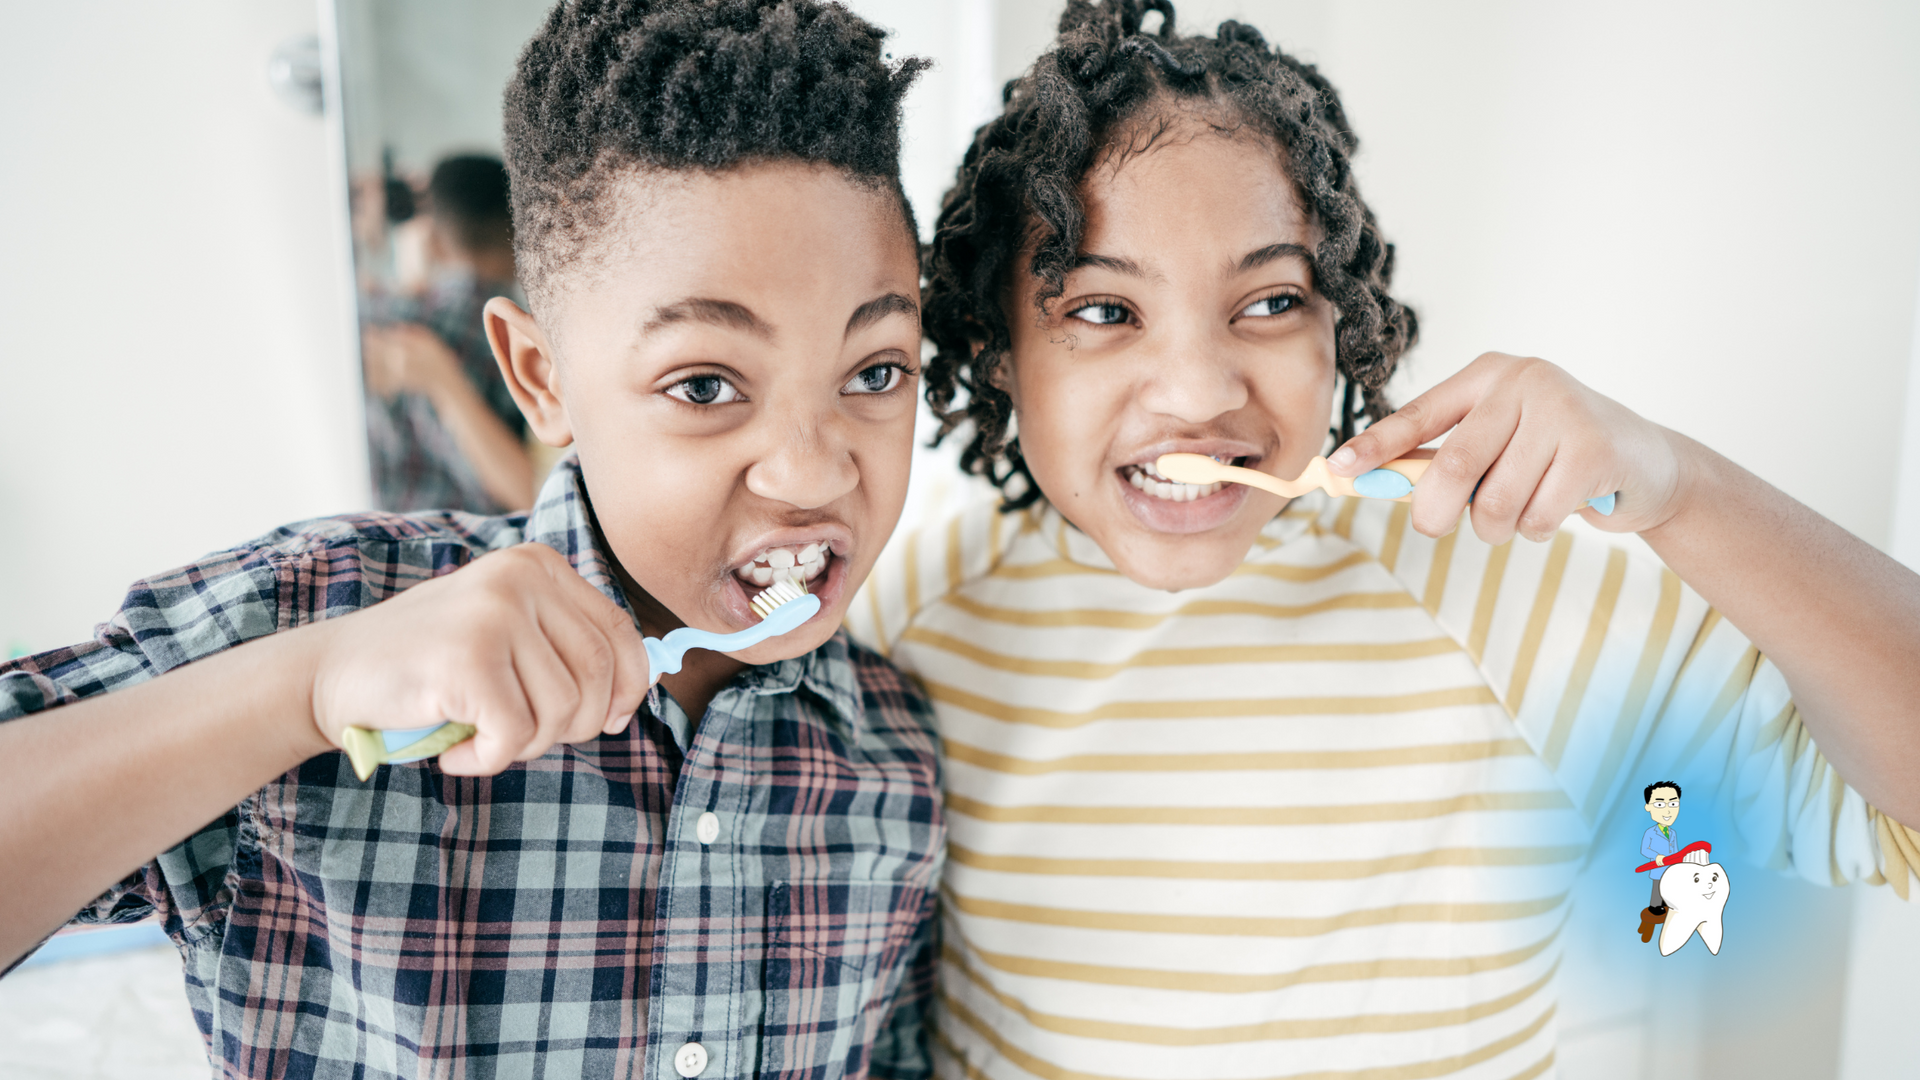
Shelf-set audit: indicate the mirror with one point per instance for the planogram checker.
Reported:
(420, 94)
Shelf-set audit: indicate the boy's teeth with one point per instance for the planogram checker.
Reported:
(798, 565)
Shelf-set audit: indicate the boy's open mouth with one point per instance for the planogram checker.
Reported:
(799, 564)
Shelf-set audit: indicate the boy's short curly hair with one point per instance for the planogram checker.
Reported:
(1019, 186)
(606, 86)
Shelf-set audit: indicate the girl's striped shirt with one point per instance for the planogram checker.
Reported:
(1319, 819)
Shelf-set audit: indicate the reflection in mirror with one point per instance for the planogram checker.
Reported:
(432, 243)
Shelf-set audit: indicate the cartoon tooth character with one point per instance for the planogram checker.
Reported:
(1695, 892)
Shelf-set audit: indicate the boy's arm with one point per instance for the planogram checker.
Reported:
(1838, 618)
(517, 644)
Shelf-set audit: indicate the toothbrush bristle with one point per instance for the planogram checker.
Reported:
(775, 595)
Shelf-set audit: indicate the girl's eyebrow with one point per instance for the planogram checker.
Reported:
(1262, 256)
(1108, 262)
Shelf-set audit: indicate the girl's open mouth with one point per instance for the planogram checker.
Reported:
(1168, 506)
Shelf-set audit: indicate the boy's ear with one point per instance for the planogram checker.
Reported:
(528, 363)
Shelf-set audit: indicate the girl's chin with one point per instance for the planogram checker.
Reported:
(1199, 515)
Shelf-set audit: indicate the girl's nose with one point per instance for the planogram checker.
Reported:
(1191, 379)
(805, 468)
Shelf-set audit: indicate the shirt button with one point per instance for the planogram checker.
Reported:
(708, 830)
(690, 1060)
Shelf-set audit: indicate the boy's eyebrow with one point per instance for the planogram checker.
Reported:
(1262, 256)
(724, 313)
(879, 308)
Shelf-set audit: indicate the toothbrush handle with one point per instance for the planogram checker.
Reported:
(1395, 480)
(367, 750)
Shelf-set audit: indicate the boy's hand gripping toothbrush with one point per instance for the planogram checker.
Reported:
(781, 607)
(1394, 480)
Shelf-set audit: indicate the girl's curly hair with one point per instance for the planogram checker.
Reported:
(1020, 183)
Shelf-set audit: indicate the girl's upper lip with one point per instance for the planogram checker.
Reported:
(833, 534)
(1227, 448)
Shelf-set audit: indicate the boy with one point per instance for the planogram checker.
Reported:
(736, 879)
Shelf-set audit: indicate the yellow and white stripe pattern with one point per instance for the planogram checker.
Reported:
(1318, 820)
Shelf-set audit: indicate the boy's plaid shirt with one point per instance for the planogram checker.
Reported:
(562, 918)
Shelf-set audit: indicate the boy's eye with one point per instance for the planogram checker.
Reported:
(1271, 305)
(704, 390)
(1101, 314)
(877, 379)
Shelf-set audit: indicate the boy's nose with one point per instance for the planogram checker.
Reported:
(1191, 379)
(804, 468)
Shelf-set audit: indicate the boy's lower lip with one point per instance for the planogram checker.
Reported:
(1166, 516)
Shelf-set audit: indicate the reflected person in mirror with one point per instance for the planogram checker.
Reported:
(443, 432)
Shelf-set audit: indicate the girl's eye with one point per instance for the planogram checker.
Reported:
(704, 390)
(877, 379)
(1104, 314)
(1271, 305)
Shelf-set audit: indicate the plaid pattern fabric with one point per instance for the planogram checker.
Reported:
(415, 462)
(562, 918)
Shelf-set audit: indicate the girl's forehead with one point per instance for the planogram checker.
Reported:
(1203, 183)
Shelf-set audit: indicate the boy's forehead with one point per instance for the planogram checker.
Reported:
(725, 245)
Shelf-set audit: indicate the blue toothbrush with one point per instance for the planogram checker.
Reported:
(782, 608)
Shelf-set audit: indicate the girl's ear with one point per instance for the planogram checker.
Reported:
(528, 363)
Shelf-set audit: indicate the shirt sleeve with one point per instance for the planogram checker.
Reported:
(902, 1051)
(1616, 672)
(165, 621)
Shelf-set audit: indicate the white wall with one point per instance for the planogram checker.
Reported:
(174, 376)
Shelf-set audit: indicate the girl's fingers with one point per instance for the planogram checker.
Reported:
(583, 648)
(1561, 492)
(1423, 419)
(1461, 463)
(1508, 485)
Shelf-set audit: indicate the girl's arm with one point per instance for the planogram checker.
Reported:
(1840, 619)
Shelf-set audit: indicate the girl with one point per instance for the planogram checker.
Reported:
(1247, 788)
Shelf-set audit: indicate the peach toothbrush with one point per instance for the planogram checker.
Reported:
(1394, 480)
(781, 608)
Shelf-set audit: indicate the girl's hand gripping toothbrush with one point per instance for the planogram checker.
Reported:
(1394, 480)
(781, 607)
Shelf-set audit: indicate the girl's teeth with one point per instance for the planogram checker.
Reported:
(762, 576)
(1146, 479)
(780, 558)
(809, 553)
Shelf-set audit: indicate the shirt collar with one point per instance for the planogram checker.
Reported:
(562, 519)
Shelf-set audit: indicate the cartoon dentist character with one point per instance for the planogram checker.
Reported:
(1689, 892)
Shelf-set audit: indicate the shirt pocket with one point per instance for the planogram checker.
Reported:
(836, 952)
